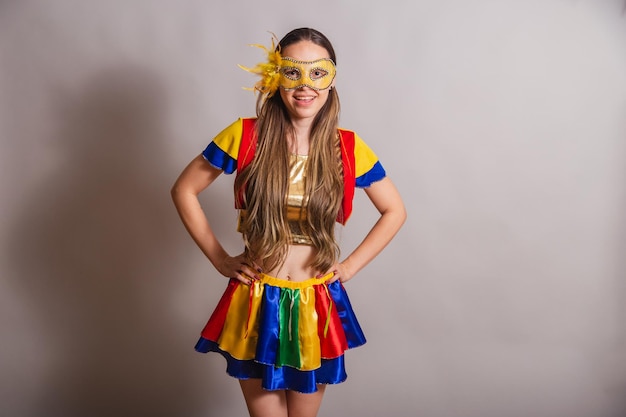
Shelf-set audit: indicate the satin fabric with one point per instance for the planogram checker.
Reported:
(332, 371)
(291, 334)
(234, 148)
(223, 152)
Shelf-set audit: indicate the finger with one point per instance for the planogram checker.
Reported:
(249, 272)
(257, 267)
(243, 278)
(323, 274)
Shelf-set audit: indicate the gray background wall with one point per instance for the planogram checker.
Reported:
(501, 122)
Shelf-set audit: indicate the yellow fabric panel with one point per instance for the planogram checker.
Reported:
(364, 157)
(310, 351)
(229, 139)
(239, 336)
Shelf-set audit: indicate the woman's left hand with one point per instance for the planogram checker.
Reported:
(340, 272)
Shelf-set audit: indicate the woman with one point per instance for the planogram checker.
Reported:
(285, 320)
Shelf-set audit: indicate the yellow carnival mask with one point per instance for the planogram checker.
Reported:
(318, 74)
(289, 73)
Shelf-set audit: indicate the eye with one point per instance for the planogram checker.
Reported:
(318, 73)
(291, 73)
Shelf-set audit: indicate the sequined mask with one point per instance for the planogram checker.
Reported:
(318, 75)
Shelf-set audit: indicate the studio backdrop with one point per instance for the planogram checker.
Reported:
(502, 123)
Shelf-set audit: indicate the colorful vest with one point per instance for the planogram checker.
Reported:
(346, 138)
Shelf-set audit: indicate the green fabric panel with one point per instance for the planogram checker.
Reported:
(289, 346)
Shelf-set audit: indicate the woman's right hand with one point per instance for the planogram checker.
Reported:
(240, 268)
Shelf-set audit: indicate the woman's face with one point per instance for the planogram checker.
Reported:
(304, 102)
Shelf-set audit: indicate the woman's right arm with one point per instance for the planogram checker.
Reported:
(195, 178)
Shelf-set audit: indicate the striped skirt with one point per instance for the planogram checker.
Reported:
(292, 335)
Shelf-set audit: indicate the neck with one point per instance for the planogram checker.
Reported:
(300, 143)
(302, 127)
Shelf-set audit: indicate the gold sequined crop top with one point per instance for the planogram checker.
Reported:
(296, 210)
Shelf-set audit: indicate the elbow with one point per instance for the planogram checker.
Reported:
(401, 216)
(182, 194)
(175, 192)
(395, 216)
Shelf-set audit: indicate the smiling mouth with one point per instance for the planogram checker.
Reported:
(304, 98)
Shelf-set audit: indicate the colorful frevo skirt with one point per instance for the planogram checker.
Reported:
(291, 335)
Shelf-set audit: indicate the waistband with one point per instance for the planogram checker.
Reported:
(283, 283)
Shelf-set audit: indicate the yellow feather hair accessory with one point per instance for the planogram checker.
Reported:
(268, 71)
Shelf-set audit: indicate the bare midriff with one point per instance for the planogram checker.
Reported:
(300, 252)
(297, 264)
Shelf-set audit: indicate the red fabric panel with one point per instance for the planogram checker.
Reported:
(349, 175)
(248, 148)
(246, 153)
(334, 343)
(214, 327)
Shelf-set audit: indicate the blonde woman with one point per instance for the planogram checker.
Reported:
(285, 320)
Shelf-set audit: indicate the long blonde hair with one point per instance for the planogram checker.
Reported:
(266, 180)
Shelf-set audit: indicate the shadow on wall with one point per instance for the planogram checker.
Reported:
(94, 251)
(617, 366)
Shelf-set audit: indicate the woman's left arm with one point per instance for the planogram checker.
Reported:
(385, 197)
